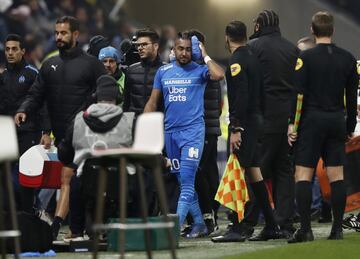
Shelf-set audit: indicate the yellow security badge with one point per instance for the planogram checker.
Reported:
(299, 64)
(235, 69)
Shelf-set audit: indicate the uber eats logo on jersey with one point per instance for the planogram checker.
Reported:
(177, 94)
(299, 64)
(235, 69)
(193, 152)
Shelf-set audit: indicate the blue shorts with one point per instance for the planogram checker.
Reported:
(185, 145)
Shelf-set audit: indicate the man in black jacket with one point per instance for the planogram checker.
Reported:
(139, 79)
(140, 76)
(16, 81)
(277, 57)
(66, 83)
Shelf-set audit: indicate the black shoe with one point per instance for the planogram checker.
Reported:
(186, 231)
(268, 233)
(301, 236)
(287, 232)
(245, 230)
(55, 227)
(197, 230)
(229, 236)
(211, 225)
(336, 235)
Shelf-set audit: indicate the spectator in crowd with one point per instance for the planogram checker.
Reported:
(96, 43)
(323, 73)
(182, 85)
(246, 106)
(65, 83)
(111, 59)
(167, 40)
(15, 83)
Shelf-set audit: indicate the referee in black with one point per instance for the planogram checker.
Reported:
(245, 93)
(323, 73)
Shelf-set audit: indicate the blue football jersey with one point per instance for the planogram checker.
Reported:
(183, 91)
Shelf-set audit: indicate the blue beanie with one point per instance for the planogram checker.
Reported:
(110, 52)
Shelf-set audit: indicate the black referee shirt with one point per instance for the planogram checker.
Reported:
(324, 73)
(245, 86)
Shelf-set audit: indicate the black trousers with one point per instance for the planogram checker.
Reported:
(24, 195)
(207, 176)
(277, 165)
(172, 190)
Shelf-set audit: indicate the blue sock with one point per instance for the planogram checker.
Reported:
(182, 210)
(195, 211)
(188, 200)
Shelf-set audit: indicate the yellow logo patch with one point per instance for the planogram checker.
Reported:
(358, 67)
(235, 69)
(299, 64)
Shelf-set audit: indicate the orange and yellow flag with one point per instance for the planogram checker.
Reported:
(232, 191)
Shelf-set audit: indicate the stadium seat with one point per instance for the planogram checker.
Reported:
(8, 152)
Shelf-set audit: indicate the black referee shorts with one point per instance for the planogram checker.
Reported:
(321, 134)
(249, 153)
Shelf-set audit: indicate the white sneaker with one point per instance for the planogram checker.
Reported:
(74, 238)
(44, 216)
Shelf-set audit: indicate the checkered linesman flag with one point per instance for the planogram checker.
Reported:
(232, 192)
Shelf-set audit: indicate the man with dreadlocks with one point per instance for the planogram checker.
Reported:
(277, 57)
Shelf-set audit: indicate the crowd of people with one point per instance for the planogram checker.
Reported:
(81, 101)
(34, 19)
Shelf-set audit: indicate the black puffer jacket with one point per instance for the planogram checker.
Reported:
(139, 84)
(66, 82)
(277, 57)
(15, 83)
(212, 108)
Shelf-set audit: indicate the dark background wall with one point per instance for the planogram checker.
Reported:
(211, 17)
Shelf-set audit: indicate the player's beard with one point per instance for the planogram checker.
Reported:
(183, 61)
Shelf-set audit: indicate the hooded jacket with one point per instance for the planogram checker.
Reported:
(101, 126)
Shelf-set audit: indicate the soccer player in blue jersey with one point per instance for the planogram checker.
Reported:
(182, 85)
